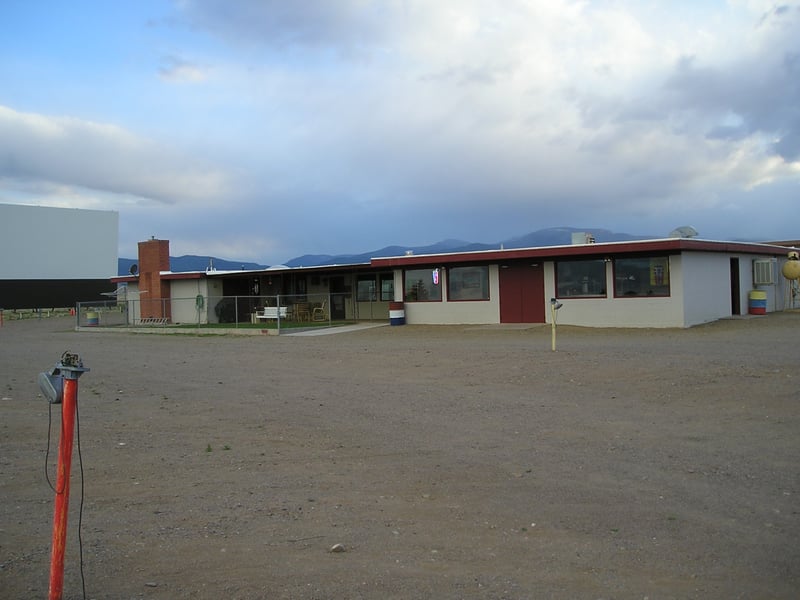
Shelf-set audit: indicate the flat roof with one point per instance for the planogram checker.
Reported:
(668, 245)
(665, 245)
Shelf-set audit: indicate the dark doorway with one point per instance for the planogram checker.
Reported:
(736, 302)
(522, 293)
(338, 294)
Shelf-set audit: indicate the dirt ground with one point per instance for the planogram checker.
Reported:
(448, 462)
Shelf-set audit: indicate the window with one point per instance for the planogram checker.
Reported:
(763, 272)
(581, 278)
(300, 288)
(423, 285)
(387, 286)
(367, 289)
(645, 276)
(468, 283)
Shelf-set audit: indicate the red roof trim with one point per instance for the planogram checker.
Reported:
(190, 275)
(164, 275)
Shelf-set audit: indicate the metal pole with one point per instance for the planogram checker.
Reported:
(554, 306)
(68, 371)
(62, 489)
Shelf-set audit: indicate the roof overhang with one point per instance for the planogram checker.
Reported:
(283, 270)
(667, 245)
(164, 275)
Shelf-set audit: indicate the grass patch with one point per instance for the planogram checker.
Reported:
(267, 325)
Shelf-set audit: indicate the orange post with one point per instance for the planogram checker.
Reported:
(62, 488)
(60, 386)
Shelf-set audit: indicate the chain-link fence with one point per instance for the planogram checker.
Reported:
(265, 312)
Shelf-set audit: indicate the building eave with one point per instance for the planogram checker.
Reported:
(666, 245)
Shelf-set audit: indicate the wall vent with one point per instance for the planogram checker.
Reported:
(764, 271)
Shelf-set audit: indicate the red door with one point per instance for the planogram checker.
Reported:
(521, 294)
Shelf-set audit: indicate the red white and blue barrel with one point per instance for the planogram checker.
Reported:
(397, 313)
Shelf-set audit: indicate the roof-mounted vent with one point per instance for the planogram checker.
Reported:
(686, 231)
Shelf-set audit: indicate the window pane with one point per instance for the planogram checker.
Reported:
(577, 278)
(366, 288)
(648, 276)
(468, 283)
(422, 285)
(387, 287)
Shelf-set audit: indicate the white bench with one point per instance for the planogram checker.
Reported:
(272, 312)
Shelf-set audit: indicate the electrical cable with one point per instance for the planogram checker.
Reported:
(80, 507)
(47, 452)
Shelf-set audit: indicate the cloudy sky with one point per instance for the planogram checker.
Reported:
(265, 129)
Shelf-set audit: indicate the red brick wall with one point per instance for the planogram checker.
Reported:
(154, 258)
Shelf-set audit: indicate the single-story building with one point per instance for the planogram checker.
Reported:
(671, 282)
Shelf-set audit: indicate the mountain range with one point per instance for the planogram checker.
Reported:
(554, 236)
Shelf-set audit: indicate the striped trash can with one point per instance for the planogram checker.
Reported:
(397, 313)
(757, 304)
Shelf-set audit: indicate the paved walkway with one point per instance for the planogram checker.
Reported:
(331, 330)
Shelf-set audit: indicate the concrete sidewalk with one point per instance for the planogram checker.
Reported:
(331, 330)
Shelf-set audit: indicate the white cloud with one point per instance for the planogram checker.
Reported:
(78, 154)
(178, 70)
(360, 123)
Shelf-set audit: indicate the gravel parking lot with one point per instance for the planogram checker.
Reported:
(445, 462)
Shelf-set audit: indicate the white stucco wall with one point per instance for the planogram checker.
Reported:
(213, 296)
(184, 304)
(132, 297)
(706, 279)
(587, 312)
(620, 312)
(456, 313)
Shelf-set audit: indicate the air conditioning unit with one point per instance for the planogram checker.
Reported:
(582, 237)
(764, 271)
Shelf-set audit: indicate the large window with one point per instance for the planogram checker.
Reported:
(577, 278)
(646, 276)
(468, 283)
(367, 290)
(423, 285)
(370, 285)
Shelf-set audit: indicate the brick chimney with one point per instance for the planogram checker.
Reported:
(153, 259)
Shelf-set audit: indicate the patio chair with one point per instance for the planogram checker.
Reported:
(302, 312)
(318, 313)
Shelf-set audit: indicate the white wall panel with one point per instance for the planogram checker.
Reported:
(38, 242)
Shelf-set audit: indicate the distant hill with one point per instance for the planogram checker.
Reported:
(183, 264)
(554, 236)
